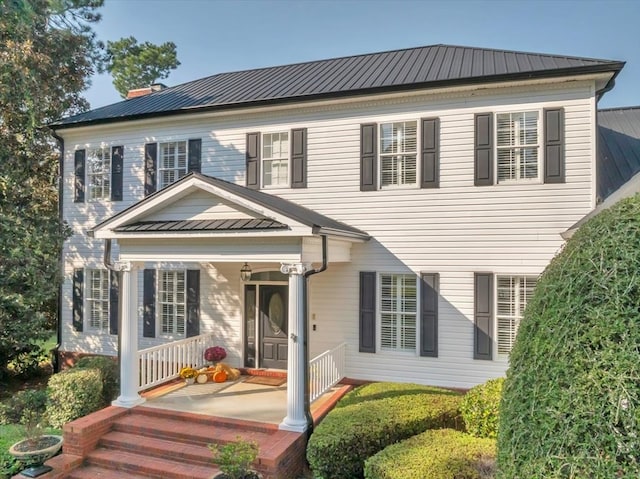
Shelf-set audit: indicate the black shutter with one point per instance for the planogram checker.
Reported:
(367, 312)
(429, 287)
(150, 167)
(195, 155)
(78, 284)
(253, 161)
(483, 316)
(368, 157)
(149, 303)
(483, 164)
(554, 146)
(114, 301)
(79, 162)
(430, 153)
(116, 173)
(299, 158)
(193, 302)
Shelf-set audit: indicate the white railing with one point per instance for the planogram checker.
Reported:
(163, 363)
(326, 370)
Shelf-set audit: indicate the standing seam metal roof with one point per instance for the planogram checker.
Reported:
(412, 68)
(618, 148)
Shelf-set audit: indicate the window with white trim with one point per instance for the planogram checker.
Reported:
(173, 162)
(99, 173)
(513, 293)
(398, 311)
(172, 306)
(398, 153)
(98, 300)
(275, 159)
(518, 148)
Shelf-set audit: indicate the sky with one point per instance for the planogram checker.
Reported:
(217, 36)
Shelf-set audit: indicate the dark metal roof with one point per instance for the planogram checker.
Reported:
(319, 223)
(618, 148)
(204, 225)
(412, 68)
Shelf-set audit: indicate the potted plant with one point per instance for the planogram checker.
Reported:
(215, 354)
(235, 459)
(37, 446)
(189, 375)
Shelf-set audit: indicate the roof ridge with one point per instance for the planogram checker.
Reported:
(619, 108)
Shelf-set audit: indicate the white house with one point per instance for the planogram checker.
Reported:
(440, 179)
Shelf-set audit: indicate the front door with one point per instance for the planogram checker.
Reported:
(273, 325)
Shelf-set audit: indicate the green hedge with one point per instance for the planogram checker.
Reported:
(571, 400)
(435, 454)
(480, 408)
(72, 394)
(372, 417)
(109, 371)
(30, 400)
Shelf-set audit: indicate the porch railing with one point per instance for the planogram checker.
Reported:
(163, 363)
(326, 370)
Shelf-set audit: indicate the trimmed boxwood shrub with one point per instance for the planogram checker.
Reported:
(571, 400)
(435, 454)
(72, 394)
(109, 371)
(370, 418)
(480, 408)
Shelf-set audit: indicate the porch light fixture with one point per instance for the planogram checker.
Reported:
(245, 272)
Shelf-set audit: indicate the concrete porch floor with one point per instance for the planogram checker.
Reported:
(233, 399)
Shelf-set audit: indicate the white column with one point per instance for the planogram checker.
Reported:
(128, 331)
(295, 419)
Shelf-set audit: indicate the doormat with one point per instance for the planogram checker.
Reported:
(266, 380)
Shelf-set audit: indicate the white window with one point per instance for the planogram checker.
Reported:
(99, 173)
(173, 162)
(398, 148)
(517, 146)
(398, 306)
(98, 300)
(512, 296)
(172, 303)
(275, 159)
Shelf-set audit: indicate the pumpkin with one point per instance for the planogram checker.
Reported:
(201, 378)
(220, 376)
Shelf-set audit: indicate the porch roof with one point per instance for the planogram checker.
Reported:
(248, 211)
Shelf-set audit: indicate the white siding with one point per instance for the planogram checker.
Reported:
(455, 230)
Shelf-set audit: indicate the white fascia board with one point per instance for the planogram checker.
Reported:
(201, 234)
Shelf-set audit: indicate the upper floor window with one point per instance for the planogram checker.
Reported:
(98, 300)
(99, 173)
(275, 159)
(173, 162)
(172, 303)
(398, 153)
(513, 293)
(517, 146)
(398, 310)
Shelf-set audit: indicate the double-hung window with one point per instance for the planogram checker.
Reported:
(398, 153)
(172, 303)
(99, 173)
(518, 148)
(98, 300)
(398, 311)
(275, 159)
(173, 162)
(513, 293)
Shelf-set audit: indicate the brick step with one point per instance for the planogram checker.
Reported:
(95, 472)
(156, 447)
(128, 464)
(175, 429)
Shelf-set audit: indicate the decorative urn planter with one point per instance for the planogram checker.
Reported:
(34, 452)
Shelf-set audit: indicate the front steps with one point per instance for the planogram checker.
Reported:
(145, 442)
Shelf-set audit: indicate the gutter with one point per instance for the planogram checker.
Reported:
(56, 360)
(305, 346)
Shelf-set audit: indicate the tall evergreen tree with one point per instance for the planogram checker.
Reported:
(48, 50)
